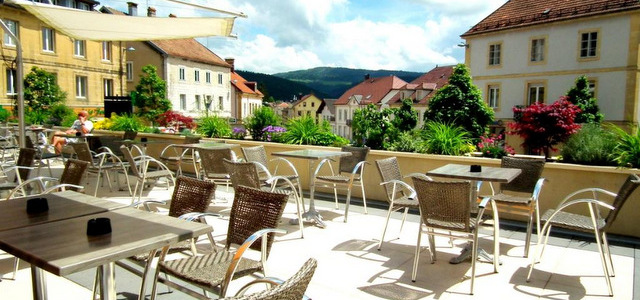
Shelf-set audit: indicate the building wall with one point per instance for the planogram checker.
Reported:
(219, 93)
(308, 107)
(143, 55)
(61, 61)
(614, 70)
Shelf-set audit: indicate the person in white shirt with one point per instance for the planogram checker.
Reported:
(82, 125)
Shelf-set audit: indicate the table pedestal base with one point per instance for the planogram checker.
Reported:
(311, 215)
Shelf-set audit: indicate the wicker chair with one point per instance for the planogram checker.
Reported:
(190, 200)
(594, 223)
(258, 155)
(129, 135)
(22, 170)
(246, 174)
(139, 168)
(520, 196)
(71, 179)
(350, 174)
(293, 288)
(400, 195)
(100, 163)
(8, 145)
(212, 168)
(445, 209)
(172, 155)
(42, 158)
(254, 214)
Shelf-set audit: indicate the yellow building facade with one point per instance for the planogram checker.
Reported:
(308, 105)
(86, 70)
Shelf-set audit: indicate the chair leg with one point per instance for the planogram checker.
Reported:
(386, 223)
(603, 260)
(474, 257)
(346, 208)
(416, 255)
(364, 199)
(16, 262)
(527, 241)
(335, 195)
(605, 244)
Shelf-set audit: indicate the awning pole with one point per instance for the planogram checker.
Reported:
(19, 85)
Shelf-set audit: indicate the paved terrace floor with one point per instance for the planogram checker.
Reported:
(351, 267)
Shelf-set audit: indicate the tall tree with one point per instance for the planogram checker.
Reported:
(460, 103)
(372, 127)
(580, 95)
(150, 94)
(41, 90)
(405, 117)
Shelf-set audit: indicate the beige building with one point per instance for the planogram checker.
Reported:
(87, 70)
(528, 51)
(308, 105)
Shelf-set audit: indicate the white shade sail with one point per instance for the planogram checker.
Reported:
(91, 25)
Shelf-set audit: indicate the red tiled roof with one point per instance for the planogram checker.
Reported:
(372, 90)
(241, 84)
(190, 49)
(518, 13)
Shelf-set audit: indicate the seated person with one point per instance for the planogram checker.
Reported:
(81, 125)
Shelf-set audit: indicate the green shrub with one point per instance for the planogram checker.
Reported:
(4, 115)
(592, 145)
(36, 116)
(441, 138)
(627, 150)
(407, 141)
(126, 123)
(59, 112)
(305, 131)
(214, 126)
(261, 118)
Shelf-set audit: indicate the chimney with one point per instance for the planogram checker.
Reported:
(231, 61)
(151, 12)
(133, 8)
(172, 16)
(367, 76)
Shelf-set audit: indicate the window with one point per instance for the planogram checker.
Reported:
(65, 3)
(207, 77)
(181, 74)
(535, 93)
(494, 54)
(11, 81)
(82, 6)
(589, 44)
(299, 113)
(13, 27)
(129, 71)
(79, 48)
(183, 102)
(106, 51)
(537, 50)
(304, 104)
(493, 96)
(197, 102)
(108, 87)
(196, 75)
(219, 78)
(592, 87)
(48, 39)
(81, 87)
(208, 102)
(220, 106)
(313, 104)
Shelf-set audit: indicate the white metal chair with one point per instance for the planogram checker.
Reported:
(139, 168)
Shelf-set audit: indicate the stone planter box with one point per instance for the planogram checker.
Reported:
(562, 178)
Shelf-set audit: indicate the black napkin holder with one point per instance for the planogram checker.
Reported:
(144, 139)
(475, 168)
(78, 133)
(37, 205)
(98, 226)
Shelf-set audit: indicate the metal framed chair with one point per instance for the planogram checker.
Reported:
(71, 179)
(595, 222)
(175, 156)
(445, 210)
(212, 168)
(254, 214)
(349, 174)
(258, 155)
(190, 200)
(139, 168)
(8, 145)
(400, 195)
(246, 174)
(520, 196)
(99, 164)
(293, 288)
(42, 158)
(22, 169)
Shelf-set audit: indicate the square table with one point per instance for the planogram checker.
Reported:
(490, 174)
(312, 156)
(63, 247)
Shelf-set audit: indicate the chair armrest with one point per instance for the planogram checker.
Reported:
(167, 148)
(590, 202)
(322, 163)
(594, 192)
(41, 185)
(192, 216)
(145, 203)
(419, 175)
(359, 166)
(231, 270)
(271, 281)
(274, 182)
(538, 188)
(105, 149)
(287, 162)
(403, 185)
(262, 168)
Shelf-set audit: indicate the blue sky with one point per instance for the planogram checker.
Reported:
(286, 35)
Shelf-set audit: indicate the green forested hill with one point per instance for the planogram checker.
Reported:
(324, 82)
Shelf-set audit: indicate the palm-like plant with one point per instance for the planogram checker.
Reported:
(302, 131)
(627, 151)
(442, 138)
